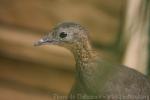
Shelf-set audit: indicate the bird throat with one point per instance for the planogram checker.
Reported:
(83, 55)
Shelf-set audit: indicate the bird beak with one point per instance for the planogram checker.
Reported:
(43, 41)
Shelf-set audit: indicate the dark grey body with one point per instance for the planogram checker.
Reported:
(110, 82)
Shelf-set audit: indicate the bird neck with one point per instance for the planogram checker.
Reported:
(83, 55)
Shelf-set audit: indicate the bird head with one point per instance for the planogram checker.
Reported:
(66, 34)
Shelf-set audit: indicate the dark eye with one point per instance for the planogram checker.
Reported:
(62, 34)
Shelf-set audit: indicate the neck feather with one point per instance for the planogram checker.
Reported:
(83, 55)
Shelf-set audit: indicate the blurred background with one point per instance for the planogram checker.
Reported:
(119, 31)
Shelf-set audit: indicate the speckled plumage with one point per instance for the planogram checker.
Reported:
(95, 78)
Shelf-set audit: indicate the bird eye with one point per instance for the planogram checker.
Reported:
(62, 34)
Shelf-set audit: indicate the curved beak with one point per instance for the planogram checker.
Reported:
(43, 41)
